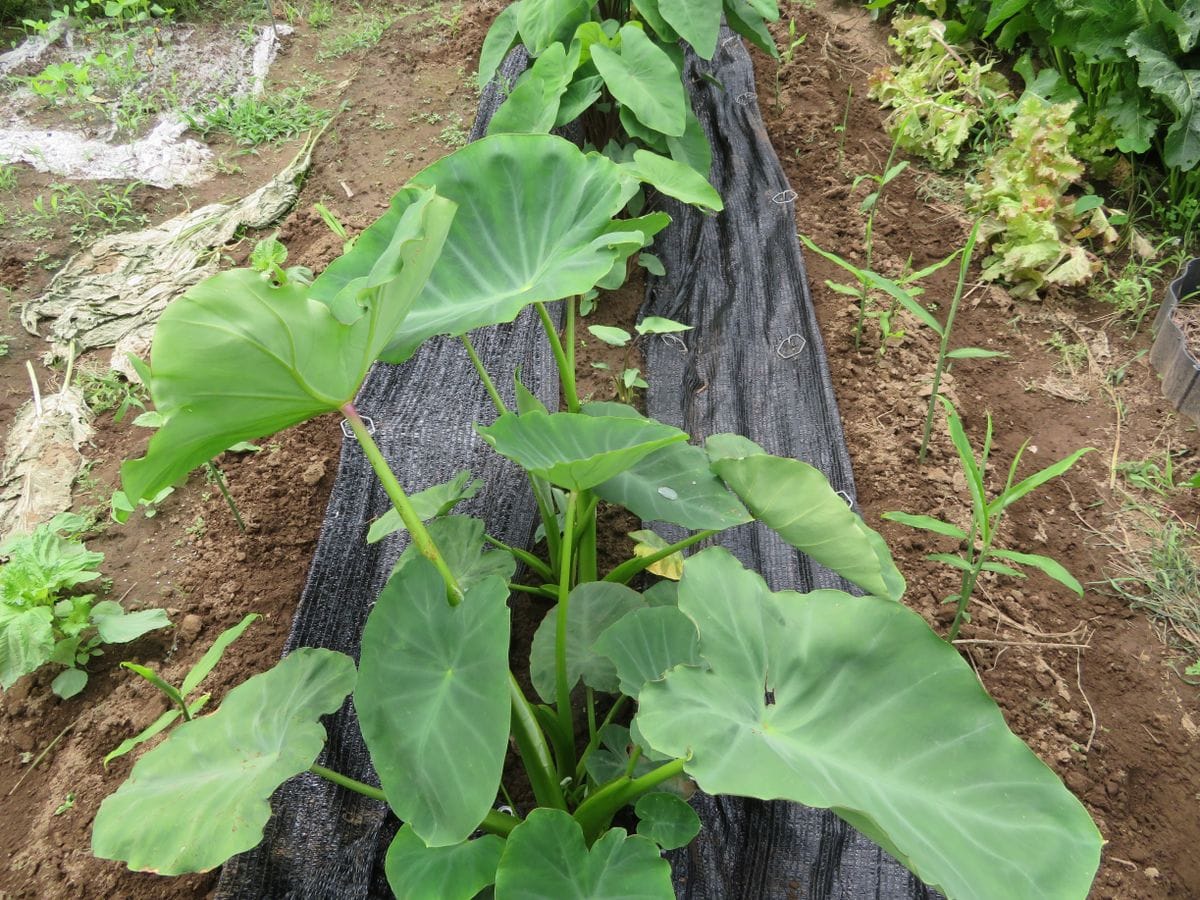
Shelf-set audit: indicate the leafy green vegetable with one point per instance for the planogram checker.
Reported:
(42, 620)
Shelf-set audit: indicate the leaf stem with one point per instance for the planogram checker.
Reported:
(351, 784)
(408, 515)
(496, 822)
(530, 589)
(563, 688)
(524, 556)
(535, 754)
(612, 713)
(596, 812)
(626, 570)
(963, 265)
(488, 384)
(565, 372)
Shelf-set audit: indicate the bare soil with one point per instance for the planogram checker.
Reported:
(1088, 683)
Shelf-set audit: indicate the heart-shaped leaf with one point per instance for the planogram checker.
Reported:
(666, 819)
(430, 503)
(545, 22)
(697, 21)
(642, 76)
(460, 541)
(852, 703)
(797, 502)
(200, 797)
(532, 105)
(648, 643)
(433, 702)
(237, 358)
(576, 451)
(500, 38)
(546, 858)
(458, 872)
(535, 224)
(676, 179)
(675, 484)
(591, 608)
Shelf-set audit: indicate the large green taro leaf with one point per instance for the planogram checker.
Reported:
(532, 104)
(642, 76)
(746, 21)
(201, 796)
(675, 484)
(546, 858)
(500, 38)
(591, 608)
(852, 703)
(545, 22)
(797, 502)
(237, 358)
(535, 223)
(433, 702)
(460, 872)
(576, 451)
(697, 21)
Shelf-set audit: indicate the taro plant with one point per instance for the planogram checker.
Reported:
(43, 616)
(978, 552)
(617, 67)
(630, 377)
(823, 698)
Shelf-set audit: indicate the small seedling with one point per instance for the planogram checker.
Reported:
(631, 378)
(68, 803)
(788, 53)
(334, 224)
(179, 697)
(978, 553)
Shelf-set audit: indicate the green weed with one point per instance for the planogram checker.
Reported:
(363, 34)
(104, 210)
(251, 121)
(110, 391)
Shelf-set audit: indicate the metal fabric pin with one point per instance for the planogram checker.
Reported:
(791, 346)
(366, 420)
(675, 339)
(746, 98)
(784, 197)
(845, 496)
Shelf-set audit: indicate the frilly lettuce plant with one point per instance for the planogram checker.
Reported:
(1032, 224)
(940, 97)
(824, 698)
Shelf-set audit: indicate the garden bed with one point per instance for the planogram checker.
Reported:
(1116, 720)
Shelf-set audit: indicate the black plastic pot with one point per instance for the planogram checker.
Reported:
(1170, 356)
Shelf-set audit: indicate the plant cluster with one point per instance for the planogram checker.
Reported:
(1128, 65)
(253, 120)
(1033, 225)
(941, 99)
(97, 211)
(43, 617)
(640, 693)
(646, 688)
